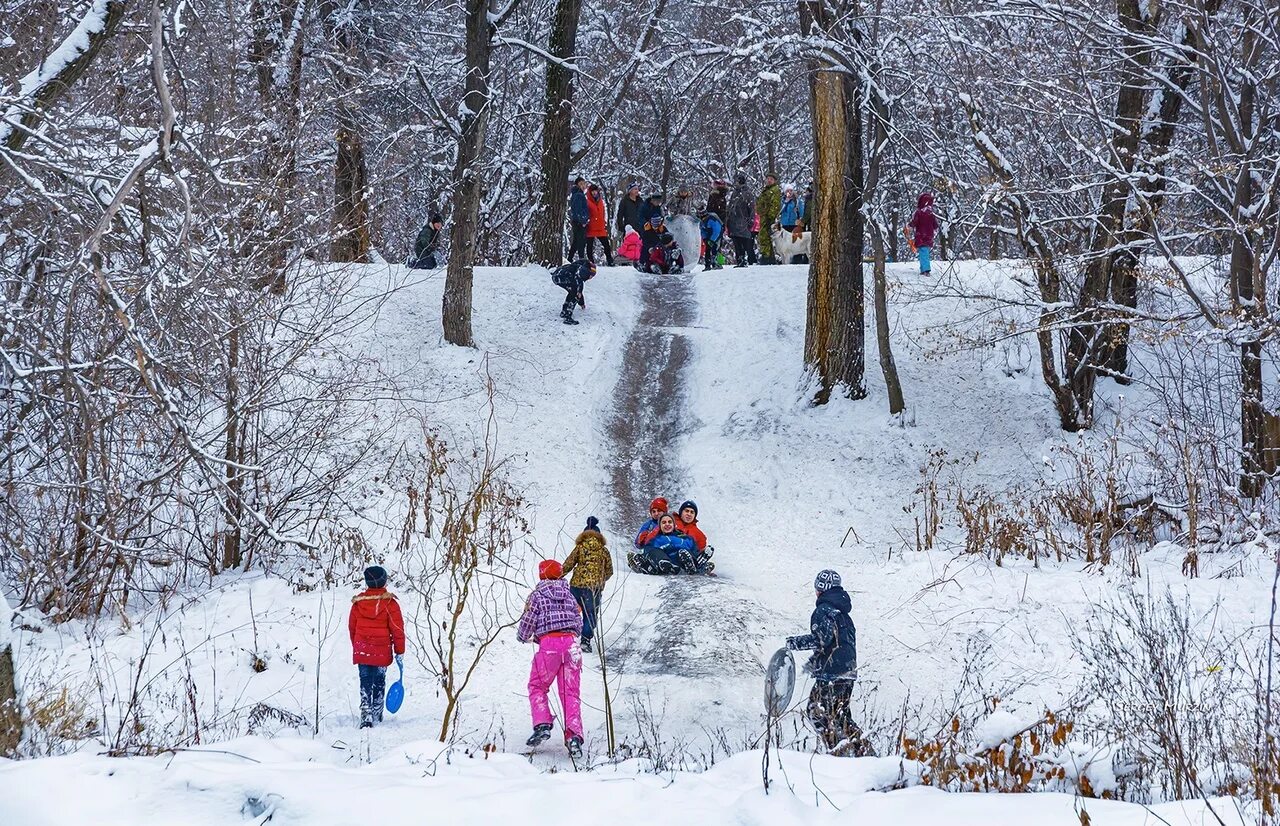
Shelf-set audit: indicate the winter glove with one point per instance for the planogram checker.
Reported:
(793, 644)
(400, 661)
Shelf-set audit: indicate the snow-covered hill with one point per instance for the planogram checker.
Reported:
(785, 489)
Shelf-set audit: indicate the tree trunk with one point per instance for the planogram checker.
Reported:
(10, 711)
(350, 222)
(557, 136)
(232, 546)
(834, 347)
(1151, 184)
(1248, 290)
(1091, 341)
(850, 298)
(456, 306)
(873, 197)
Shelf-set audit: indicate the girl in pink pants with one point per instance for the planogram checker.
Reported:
(552, 617)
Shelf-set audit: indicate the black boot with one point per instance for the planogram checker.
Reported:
(574, 745)
(541, 734)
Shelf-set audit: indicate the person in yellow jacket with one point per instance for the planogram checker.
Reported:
(768, 208)
(592, 567)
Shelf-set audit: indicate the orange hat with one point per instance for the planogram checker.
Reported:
(659, 503)
(550, 569)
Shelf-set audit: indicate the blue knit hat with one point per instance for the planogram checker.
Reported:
(688, 503)
(826, 580)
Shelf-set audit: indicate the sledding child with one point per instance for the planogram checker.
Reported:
(923, 225)
(666, 258)
(552, 619)
(656, 509)
(592, 567)
(377, 630)
(687, 524)
(712, 230)
(652, 228)
(666, 550)
(834, 666)
(572, 277)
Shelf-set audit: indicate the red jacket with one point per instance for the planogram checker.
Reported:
(597, 226)
(694, 532)
(376, 627)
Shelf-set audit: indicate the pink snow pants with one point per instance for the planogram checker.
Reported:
(558, 659)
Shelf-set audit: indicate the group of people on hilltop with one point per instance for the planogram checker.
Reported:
(643, 222)
(561, 619)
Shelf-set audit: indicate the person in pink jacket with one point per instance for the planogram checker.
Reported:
(552, 618)
(630, 246)
(924, 226)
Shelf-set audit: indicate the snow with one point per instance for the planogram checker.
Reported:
(292, 781)
(785, 490)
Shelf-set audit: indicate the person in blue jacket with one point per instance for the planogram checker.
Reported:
(579, 217)
(833, 665)
(792, 209)
(712, 231)
(666, 550)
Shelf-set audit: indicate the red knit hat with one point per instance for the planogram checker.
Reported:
(659, 503)
(550, 569)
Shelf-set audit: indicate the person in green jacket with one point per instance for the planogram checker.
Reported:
(768, 207)
(427, 244)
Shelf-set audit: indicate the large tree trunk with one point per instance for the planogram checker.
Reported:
(350, 222)
(456, 306)
(557, 136)
(834, 348)
(850, 299)
(1090, 341)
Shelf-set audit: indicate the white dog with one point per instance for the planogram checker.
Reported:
(784, 249)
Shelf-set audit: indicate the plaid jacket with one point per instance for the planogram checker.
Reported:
(590, 562)
(551, 607)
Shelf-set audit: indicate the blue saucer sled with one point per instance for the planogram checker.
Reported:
(395, 694)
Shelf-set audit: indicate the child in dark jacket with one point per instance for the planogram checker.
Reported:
(553, 620)
(377, 630)
(427, 244)
(572, 277)
(834, 666)
(592, 567)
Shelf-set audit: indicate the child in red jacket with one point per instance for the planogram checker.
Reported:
(377, 630)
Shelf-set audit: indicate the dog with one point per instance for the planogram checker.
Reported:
(785, 249)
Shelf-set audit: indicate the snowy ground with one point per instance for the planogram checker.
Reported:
(785, 490)
(289, 781)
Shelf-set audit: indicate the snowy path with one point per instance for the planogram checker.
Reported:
(697, 625)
